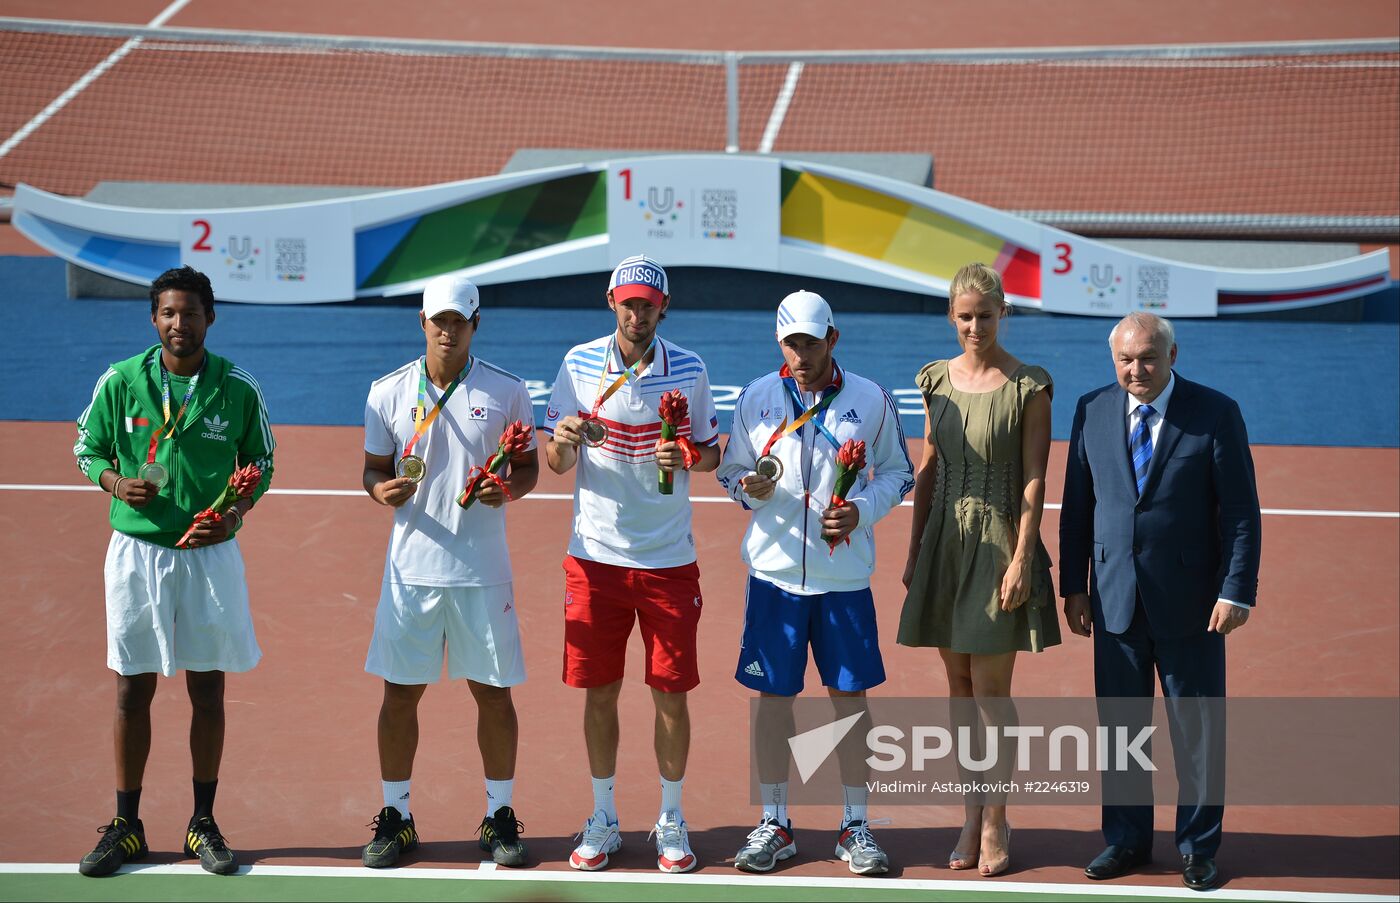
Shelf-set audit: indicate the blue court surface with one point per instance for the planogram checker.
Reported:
(1332, 384)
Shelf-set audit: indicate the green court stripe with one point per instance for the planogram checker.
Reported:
(161, 882)
(137, 886)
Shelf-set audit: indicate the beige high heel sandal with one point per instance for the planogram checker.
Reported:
(1006, 864)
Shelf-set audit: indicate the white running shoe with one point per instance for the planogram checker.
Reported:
(600, 839)
(672, 844)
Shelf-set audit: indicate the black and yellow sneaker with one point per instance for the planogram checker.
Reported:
(394, 835)
(203, 839)
(121, 842)
(500, 836)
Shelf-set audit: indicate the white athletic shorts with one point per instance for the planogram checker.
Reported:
(177, 609)
(474, 625)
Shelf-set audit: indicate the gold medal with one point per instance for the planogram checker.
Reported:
(155, 474)
(412, 467)
(769, 466)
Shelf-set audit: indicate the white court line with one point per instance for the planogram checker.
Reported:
(780, 108)
(568, 497)
(729, 879)
(81, 84)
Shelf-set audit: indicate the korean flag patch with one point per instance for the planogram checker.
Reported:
(478, 412)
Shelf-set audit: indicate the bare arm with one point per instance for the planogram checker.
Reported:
(709, 458)
(561, 452)
(923, 496)
(1035, 457)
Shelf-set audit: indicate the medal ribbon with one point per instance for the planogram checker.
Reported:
(165, 407)
(422, 403)
(785, 427)
(617, 383)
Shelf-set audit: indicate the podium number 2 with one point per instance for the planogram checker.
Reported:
(202, 243)
(1062, 256)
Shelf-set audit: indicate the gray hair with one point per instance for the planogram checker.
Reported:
(1160, 328)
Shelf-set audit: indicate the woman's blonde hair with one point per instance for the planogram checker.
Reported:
(979, 279)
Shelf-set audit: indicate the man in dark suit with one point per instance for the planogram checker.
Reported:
(1159, 562)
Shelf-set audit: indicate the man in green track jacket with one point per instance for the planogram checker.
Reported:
(163, 433)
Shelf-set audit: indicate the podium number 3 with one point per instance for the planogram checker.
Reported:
(202, 243)
(1062, 256)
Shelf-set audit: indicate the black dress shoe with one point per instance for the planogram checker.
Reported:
(1116, 861)
(1198, 871)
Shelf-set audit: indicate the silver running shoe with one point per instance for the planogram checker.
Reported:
(766, 846)
(857, 847)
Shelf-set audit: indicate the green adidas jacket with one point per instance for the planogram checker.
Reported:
(224, 428)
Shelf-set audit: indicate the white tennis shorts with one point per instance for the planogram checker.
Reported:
(475, 626)
(177, 609)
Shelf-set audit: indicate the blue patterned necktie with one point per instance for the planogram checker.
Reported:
(1140, 444)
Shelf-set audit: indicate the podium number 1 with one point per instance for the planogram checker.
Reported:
(626, 175)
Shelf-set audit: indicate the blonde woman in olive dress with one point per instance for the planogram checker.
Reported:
(977, 575)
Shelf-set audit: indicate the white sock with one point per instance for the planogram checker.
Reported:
(396, 795)
(498, 795)
(775, 801)
(603, 798)
(856, 798)
(671, 797)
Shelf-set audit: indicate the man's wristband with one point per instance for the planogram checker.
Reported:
(235, 512)
(116, 487)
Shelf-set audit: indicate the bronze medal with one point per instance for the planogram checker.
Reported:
(769, 466)
(595, 432)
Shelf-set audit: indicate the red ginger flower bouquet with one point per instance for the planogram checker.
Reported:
(514, 440)
(850, 461)
(241, 484)
(675, 408)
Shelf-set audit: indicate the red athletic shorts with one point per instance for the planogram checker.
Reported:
(601, 601)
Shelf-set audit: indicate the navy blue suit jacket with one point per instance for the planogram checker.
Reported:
(1192, 537)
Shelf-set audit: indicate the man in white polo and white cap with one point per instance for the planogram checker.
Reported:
(631, 558)
(810, 561)
(447, 581)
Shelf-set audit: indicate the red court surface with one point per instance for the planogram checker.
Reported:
(300, 778)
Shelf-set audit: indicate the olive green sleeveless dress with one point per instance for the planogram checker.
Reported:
(954, 596)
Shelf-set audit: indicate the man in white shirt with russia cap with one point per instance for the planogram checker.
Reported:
(810, 561)
(447, 585)
(632, 555)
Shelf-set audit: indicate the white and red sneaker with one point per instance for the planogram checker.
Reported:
(673, 844)
(600, 839)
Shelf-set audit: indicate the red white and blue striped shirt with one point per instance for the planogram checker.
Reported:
(620, 517)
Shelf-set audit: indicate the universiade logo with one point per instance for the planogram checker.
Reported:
(1114, 748)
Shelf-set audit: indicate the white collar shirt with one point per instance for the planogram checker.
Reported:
(1159, 412)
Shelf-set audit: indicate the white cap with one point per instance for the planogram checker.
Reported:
(805, 312)
(451, 292)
